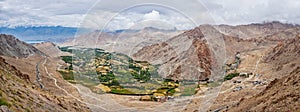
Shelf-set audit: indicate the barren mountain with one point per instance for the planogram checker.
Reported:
(285, 52)
(280, 95)
(19, 94)
(185, 56)
(266, 52)
(268, 89)
(126, 42)
(32, 83)
(283, 93)
(11, 46)
(254, 30)
(50, 49)
(264, 59)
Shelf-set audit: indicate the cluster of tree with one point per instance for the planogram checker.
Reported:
(140, 74)
(67, 59)
(65, 49)
(108, 79)
(230, 76)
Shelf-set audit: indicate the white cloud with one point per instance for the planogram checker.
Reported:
(40, 13)
(182, 14)
(134, 20)
(244, 12)
(154, 15)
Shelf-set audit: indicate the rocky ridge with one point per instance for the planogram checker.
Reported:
(11, 46)
(27, 80)
(180, 57)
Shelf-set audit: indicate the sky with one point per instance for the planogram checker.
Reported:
(123, 14)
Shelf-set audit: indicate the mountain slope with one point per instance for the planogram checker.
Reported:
(30, 82)
(254, 30)
(284, 52)
(280, 95)
(18, 94)
(185, 56)
(50, 49)
(126, 42)
(274, 57)
(11, 46)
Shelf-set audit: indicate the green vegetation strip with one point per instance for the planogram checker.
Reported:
(114, 69)
(4, 102)
(230, 76)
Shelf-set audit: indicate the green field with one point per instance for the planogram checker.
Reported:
(120, 73)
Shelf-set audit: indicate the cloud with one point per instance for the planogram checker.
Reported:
(134, 16)
(75, 13)
(43, 13)
(118, 14)
(243, 12)
(154, 15)
(139, 20)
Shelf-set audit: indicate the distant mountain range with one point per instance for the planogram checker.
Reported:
(154, 29)
(32, 34)
(45, 33)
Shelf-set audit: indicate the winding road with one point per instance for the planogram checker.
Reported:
(105, 103)
(99, 106)
(38, 75)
